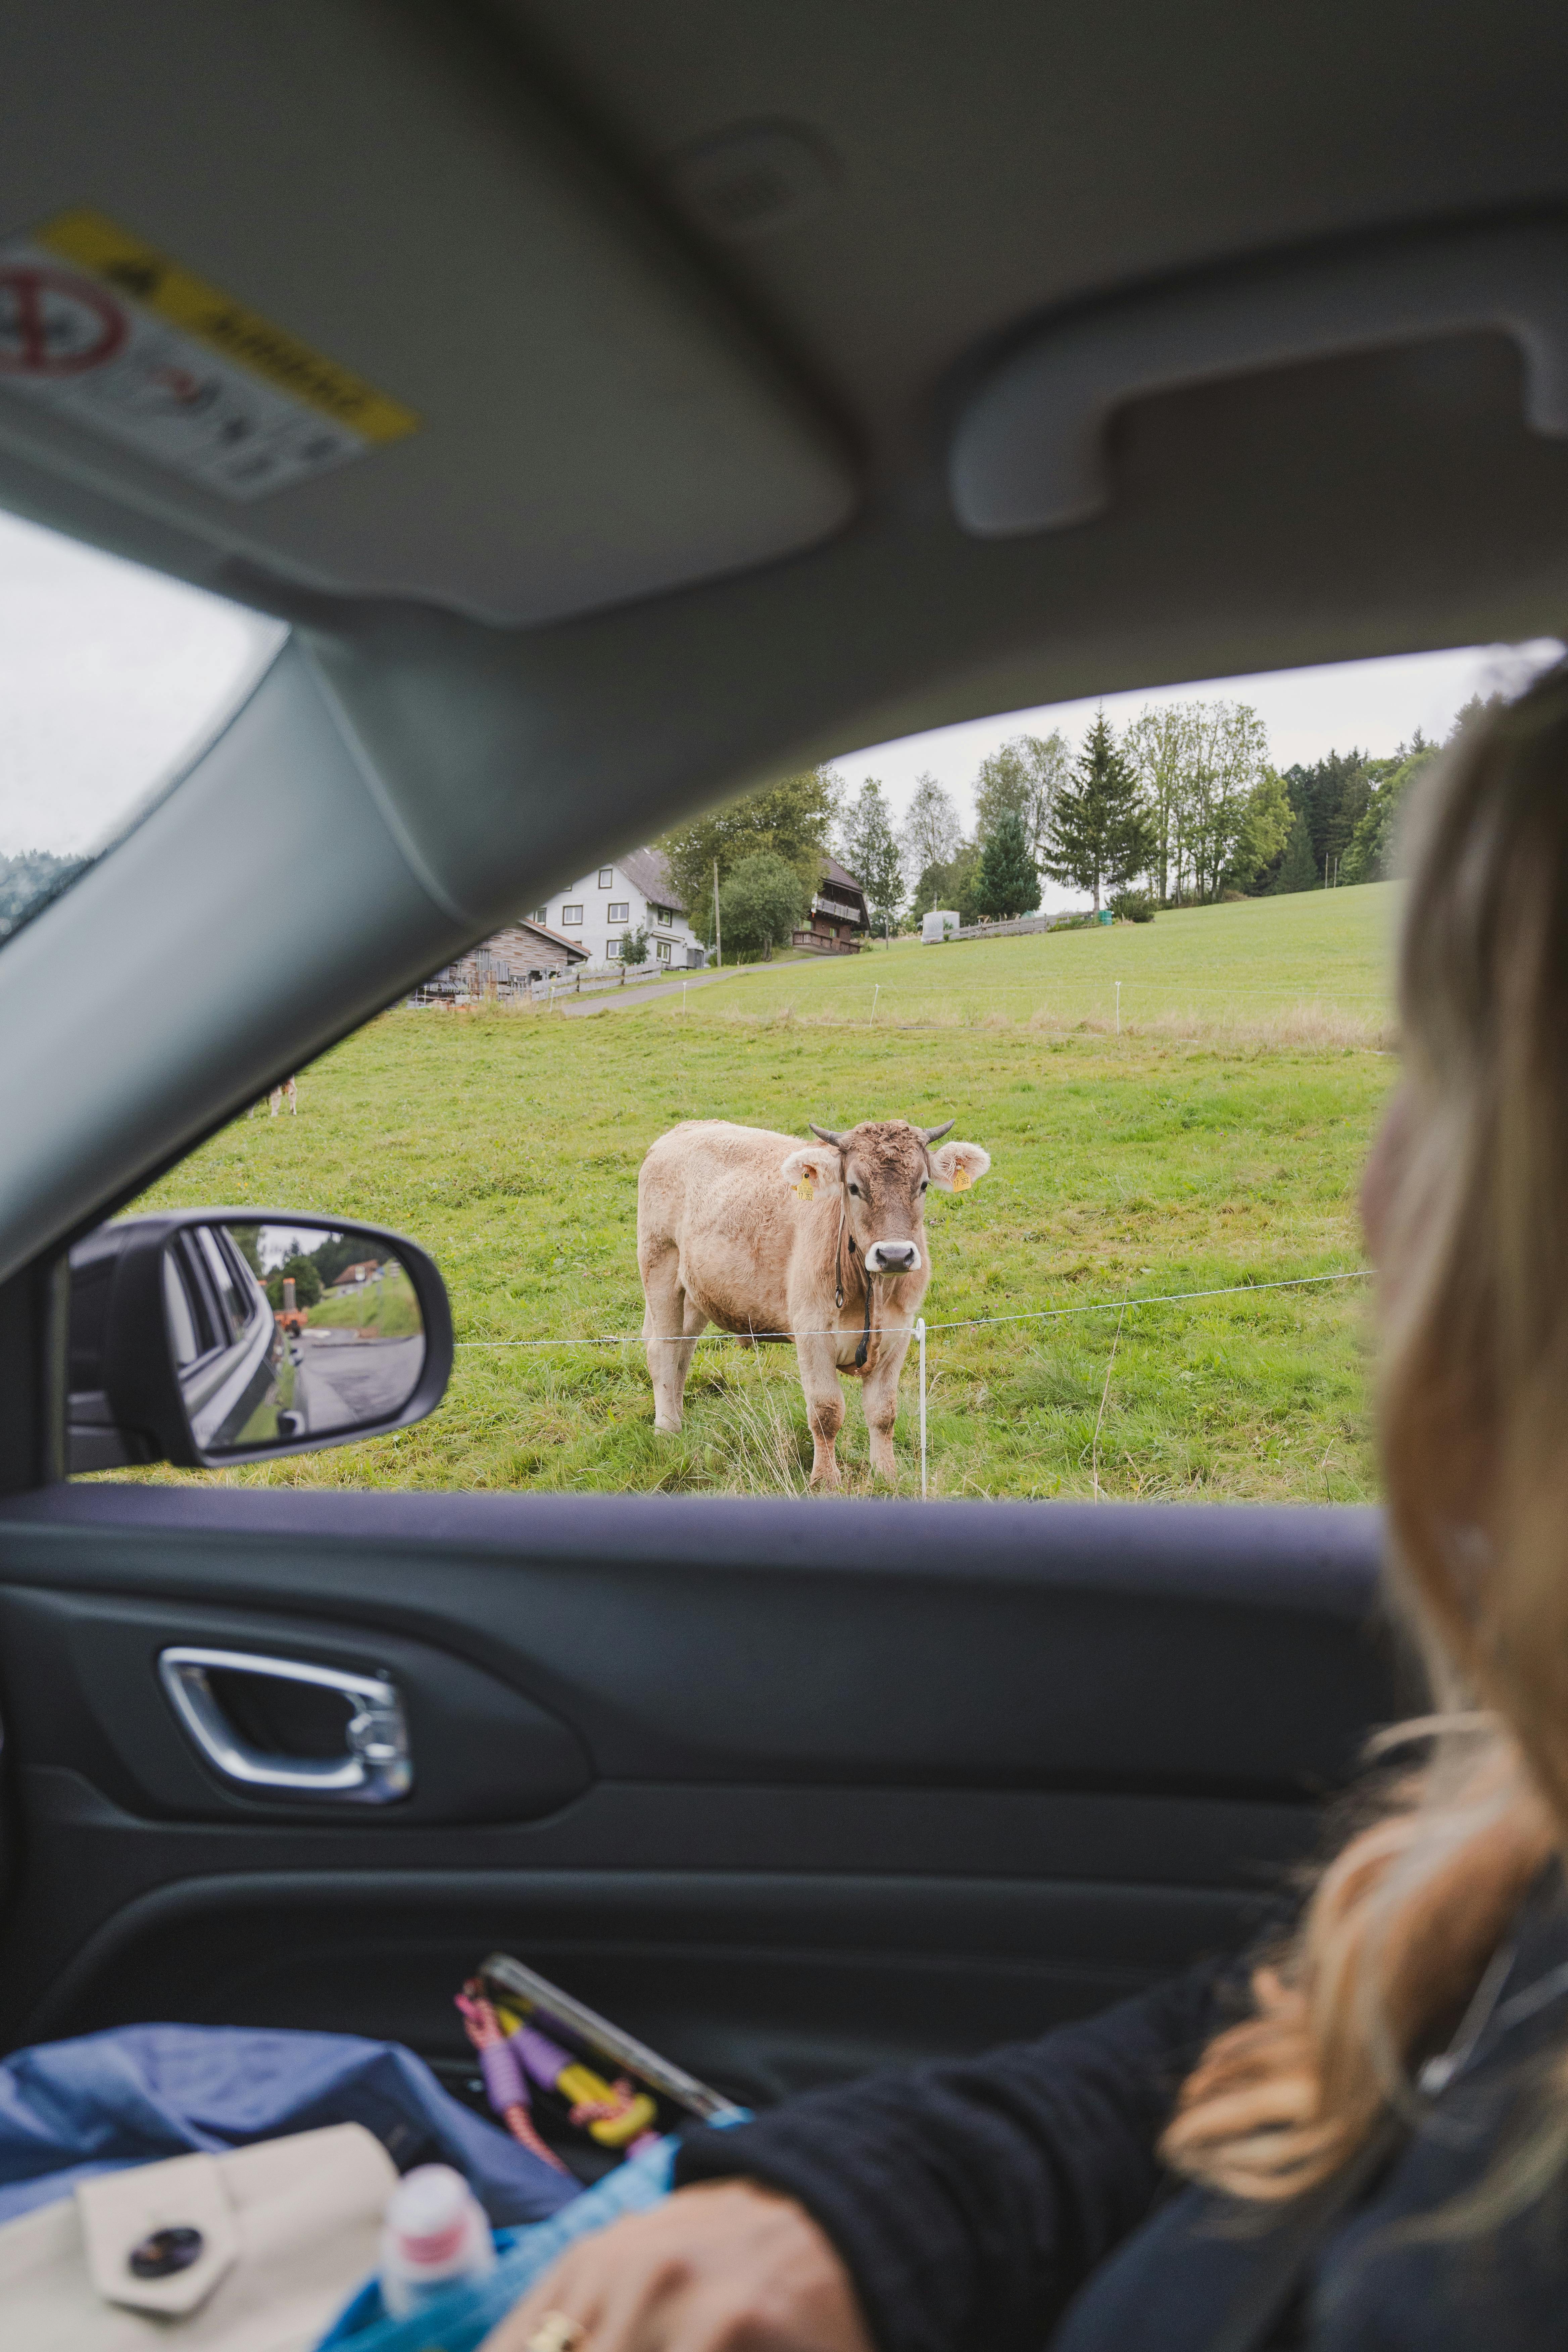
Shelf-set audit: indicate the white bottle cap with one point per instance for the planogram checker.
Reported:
(430, 2218)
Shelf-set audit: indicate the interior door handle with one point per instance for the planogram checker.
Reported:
(374, 1769)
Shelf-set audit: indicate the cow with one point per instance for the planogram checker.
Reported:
(823, 1243)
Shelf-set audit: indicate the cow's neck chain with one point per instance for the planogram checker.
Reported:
(864, 1349)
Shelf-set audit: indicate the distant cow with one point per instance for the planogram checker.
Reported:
(284, 1091)
(822, 1241)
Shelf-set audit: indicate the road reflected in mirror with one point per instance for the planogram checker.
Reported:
(284, 1332)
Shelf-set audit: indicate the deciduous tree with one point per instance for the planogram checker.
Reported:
(951, 885)
(931, 830)
(867, 846)
(1160, 743)
(1024, 776)
(1369, 858)
(1264, 830)
(761, 904)
(1227, 761)
(793, 818)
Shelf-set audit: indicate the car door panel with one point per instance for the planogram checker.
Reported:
(832, 1784)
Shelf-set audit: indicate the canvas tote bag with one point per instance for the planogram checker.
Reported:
(288, 2228)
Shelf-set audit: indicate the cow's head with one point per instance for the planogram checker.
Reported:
(881, 1169)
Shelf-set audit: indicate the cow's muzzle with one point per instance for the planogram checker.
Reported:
(893, 1257)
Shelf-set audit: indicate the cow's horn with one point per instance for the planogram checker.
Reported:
(826, 1135)
(931, 1134)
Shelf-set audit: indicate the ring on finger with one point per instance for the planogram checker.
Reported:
(556, 2332)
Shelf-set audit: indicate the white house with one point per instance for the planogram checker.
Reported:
(635, 894)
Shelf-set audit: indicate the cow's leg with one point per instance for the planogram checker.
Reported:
(670, 1325)
(824, 1406)
(880, 1395)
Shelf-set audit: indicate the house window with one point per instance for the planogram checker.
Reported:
(620, 910)
(539, 915)
(661, 950)
(661, 916)
(612, 951)
(606, 877)
(571, 918)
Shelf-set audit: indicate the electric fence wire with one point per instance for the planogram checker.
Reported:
(961, 1323)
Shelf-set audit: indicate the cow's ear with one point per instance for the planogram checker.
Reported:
(956, 1166)
(813, 1164)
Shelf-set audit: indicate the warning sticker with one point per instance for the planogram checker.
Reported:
(99, 327)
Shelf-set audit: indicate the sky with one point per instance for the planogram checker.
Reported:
(1367, 706)
(110, 676)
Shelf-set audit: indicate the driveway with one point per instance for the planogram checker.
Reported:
(626, 999)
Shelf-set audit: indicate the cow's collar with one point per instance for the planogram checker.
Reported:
(864, 1349)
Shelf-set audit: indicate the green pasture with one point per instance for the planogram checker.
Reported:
(1318, 959)
(1199, 1151)
(386, 1308)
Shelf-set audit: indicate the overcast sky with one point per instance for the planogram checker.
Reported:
(110, 674)
(1367, 705)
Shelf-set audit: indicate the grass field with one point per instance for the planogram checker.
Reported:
(1214, 1143)
(1311, 968)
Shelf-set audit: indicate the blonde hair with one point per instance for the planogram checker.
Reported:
(1473, 1431)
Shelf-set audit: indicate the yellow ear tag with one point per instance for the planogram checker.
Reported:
(962, 1179)
(807, 1189)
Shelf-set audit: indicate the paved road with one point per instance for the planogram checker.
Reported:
(626, 999)
(339, 1381)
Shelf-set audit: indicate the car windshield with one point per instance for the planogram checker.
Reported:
(110, 678)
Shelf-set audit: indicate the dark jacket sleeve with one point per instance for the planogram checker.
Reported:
(971, 2200)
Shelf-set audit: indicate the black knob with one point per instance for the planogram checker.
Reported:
(166, 2252)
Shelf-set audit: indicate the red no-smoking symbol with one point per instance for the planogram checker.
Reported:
(52, 324)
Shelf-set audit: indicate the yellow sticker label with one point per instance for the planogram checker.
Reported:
(155, 283)
(962, 1179)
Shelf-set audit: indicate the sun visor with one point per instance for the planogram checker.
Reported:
(338, 297)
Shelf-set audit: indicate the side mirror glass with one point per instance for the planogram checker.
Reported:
(215, 1337)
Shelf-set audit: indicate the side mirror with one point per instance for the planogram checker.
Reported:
(213, 1337)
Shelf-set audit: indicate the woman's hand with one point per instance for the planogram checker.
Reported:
(723, 2267)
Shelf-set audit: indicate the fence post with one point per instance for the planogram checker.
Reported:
(921, 1336)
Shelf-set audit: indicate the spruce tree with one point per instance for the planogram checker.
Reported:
(1298, 867)
(1100, 835)
(1008, 882)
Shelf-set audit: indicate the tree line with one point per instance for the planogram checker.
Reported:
(1183, 808)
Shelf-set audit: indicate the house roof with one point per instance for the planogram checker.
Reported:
(647, 872)
(843, 880)
(555, 939)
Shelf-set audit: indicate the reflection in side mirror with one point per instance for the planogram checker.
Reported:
(214, 1336)
(319, 1334)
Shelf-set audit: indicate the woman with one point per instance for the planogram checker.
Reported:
(1361, 2138)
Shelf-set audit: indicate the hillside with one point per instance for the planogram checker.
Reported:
(1259, 963)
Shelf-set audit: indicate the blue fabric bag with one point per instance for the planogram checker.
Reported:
(140, 2093)
(460, 2319)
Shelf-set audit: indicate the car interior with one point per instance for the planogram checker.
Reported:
(737, 384)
